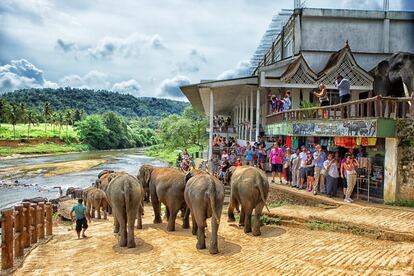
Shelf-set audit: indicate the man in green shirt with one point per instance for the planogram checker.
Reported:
(81, 217)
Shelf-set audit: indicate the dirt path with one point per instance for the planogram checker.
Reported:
(280, 250)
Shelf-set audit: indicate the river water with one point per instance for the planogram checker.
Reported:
(39, 184)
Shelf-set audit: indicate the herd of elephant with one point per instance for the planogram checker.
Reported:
(197, 193)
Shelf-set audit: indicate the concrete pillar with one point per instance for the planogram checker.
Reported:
(257, 113)
(210, 140)
(246, 118)
(251, 117)
(391, 169)
(242, 120)
(386, 36)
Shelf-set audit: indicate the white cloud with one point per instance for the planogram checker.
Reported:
(131, 46)
(192, 63)
(171, 87)
(129, 87)
(66, 46)
(20, 74)
(92, 80)
(241, 70)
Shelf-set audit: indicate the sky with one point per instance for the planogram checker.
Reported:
(139, 47)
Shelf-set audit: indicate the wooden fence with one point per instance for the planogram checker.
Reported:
(22, 227)
(375, 107)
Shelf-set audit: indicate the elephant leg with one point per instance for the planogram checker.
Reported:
(186, 218)
(247, 220)
(157, 208)
(201, 238)
(104, 211)
(167, 213)
(98, 210)
(88, 209)
(121, 217)
(139, 220)
(194, 228)
(171, 220)
(256, 219)
(92, 212)
(116, 224)
(230, 211)
(213, 241)
(131, 216)
(242, 217)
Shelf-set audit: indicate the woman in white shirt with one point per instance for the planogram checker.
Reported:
(350, 166)
(331, 167)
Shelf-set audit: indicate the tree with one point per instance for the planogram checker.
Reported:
(47, 113)
(119, 136)
(22, 112)
(68, 119)
(60, 120)
(93, 132)
(31, 119)
(14, 116)
(4, 111)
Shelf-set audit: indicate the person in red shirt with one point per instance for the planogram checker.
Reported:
(276, 162)
(238, 163)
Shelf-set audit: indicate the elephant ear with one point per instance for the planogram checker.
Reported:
(97, 183)
(112, 176)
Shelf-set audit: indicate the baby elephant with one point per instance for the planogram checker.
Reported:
(204, 195)
(125, 195)
(95, 199)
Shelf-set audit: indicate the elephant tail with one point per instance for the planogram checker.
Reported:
(212, 192)
(260, 187)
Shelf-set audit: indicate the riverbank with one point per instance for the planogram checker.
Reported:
(42, 148)
(168, 155)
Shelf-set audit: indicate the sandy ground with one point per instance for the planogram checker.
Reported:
(280, 250)
(51, 168)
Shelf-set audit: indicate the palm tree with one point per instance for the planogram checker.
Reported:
(47, 113)
(4, 110)
(31, 119)
(14, 116)
(60, 119)
(22, 112)
(68, 119)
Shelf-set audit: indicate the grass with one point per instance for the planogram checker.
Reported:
(404, 203)
(279, 203)
(36, 131)
(167, 154)
(317, 225)
(42, 149)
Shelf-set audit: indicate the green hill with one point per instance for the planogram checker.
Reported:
(92, 101)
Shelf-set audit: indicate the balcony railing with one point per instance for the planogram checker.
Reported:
(375, 107)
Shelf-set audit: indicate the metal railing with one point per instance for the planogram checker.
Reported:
(375, 107)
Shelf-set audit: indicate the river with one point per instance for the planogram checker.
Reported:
(39, 183)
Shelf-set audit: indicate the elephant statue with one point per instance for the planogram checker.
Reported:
(95, 199)
(391, 74)
(74, 192)
(249, 188)
(165, 185)
(204, 195)
(125, 195)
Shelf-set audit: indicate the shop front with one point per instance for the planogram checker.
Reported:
(365, 139)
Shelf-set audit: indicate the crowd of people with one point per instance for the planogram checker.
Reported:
(221, 123)
(312, 169)
(185, 161)
(281, 104)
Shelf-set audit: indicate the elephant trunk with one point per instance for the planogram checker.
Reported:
(212, 195)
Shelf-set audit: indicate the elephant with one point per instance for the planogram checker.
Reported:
(249, 188)
(204, 195)
(125, 195)
(95, 199)
(391, 74)
(74, 192)
(165, 185)
(102, 181)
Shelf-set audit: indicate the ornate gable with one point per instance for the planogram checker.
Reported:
(299, 72)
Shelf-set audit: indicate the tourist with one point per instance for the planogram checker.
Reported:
(319, 156)
(185, 153)
(295, 168)
(215, 162)
(186, 164)
(276, 162)
(261, 156)
(224, 155)
(360, 153)
(81, 217)
(225, 165)
(310, 171)
(341, 171)
(332, 175)
(248, 154)
(322, 94)
(238, 163)
(344, 91)
(232, 157)
(287, 101)
(350, 166)
(273, 103)
(287, 165)
(302, 166)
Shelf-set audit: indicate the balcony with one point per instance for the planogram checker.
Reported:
(375, 107)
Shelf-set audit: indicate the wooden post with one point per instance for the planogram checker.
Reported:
(27, 230)
(49, 222)
(33, 215)
(42, 220)
(7, 238)
(19, 231)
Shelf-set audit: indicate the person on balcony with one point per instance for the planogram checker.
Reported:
(322, 95)
(287, 101)
(344, 91)
(276, 162)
